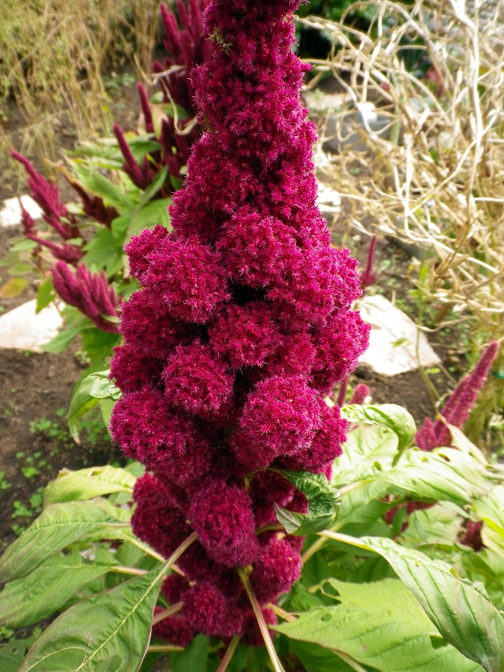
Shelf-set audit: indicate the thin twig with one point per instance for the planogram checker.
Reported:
(170, 611)
(128, 570)
(277, 666)
(290, 618)
(165, 648)
(229, 653)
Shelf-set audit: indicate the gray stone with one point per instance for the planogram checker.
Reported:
(11, 215)
(23, 329)
(392, 344)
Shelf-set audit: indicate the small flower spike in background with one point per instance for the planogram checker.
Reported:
(457, 408)
(242, 325)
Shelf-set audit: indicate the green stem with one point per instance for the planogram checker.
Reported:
(167, 612)
(165, 649)
(277, 666)
(281, 613)
(229, 653)
(128, 570)
(154, 554)
(180, 550)
(318, 544)
(352, 541)
(270, 527)
(146, 549)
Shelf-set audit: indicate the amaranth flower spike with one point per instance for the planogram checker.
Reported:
(242, 325)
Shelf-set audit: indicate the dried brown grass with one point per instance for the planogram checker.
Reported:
(438, 180)
(54, 53)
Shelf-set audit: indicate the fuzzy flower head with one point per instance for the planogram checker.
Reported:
(245, 335)
(459, 405)
(276, 569)
(149, 432)
(196, 381)
(242, 323)
(222, 516)
(280, 417)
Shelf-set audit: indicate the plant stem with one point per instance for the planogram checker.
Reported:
(281, 613)
(146, 549)
(277, 666)
(167, 612)
(270, 527)
(165, 649)
(229, 653)
(128, 570)
(154, 554)
(180, 550)
(342, 392)
(316, 546)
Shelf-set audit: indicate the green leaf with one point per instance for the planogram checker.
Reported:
(431, 526)
(491, 511)
(194, 657)
(98, 344)
(46, 589)
(149, 660)
(24, 245)
(106, 408)
(56, 528)
(315, 658)
(82, 401)
(392, 416)
(141, 146)
(12, 654)
(111, 194)
(63, 339)
(154, 212)
(367, 450)
(115, 625)
(323, 503)
(381, 625)
(45, 295)
(104, 252)
(119, 228)
(13, 287)
(154, 186)
(460, 441)
(444, 474)
(461, 610)
(361, 505)
(71, 486)
(103, 387)
(21, 268)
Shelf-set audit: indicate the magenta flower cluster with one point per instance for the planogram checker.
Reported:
(89, 292)
(456, 410)
(242, 325)
(55, 213)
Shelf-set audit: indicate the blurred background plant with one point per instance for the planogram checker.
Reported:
(124, 183)
(416, 132)
(53, 57)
